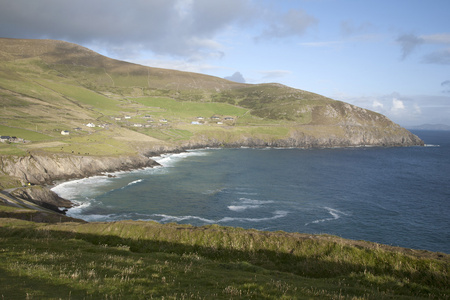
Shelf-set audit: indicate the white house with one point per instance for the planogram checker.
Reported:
(90, 125)
(65, 132)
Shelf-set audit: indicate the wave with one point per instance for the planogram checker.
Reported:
(276, 215)
(246, 193)
(213, 192)
(168, 160)
(167, 218)
(89, 187)
(431, 145)
(256, 202)
(134, 182)
(164, 218)
(239, 208)
(245, 203)
(335, 214)
(78, 211)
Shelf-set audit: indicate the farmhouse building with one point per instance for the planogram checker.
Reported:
(4, 138)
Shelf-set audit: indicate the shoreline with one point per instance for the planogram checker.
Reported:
(149, 159)
(157, 157)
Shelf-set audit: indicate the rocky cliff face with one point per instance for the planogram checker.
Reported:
(42, 197)
(44, 169)
(316, 136)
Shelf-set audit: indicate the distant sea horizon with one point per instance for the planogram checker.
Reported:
(398, 196)
(434, 127)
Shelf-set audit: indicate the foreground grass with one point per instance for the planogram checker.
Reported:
(144, 260)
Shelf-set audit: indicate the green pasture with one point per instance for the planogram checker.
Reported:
(85, 96)
(11, 149)
(23, 133)
(145, 260)
(191, 110)
(169, 134)
(101, 142)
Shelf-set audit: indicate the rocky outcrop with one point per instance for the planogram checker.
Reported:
(44, 169)
(43, 197)
(315, 136)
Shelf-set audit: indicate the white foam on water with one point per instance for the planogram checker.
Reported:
(163, 218)
(335, 214)
(431, 145)
(134, 182)
(255, 202)
(212, 192)
(168, 160)
(246, 193)
(276, 215)
(167, 218)
(71, 189)
(78, 212)
(239, 208)
(246, 203)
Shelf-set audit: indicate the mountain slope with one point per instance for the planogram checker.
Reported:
(48, 86)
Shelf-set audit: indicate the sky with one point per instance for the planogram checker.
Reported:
(390, 56)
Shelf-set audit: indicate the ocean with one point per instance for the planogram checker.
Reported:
(398, 196)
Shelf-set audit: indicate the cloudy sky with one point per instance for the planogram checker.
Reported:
(391, 56)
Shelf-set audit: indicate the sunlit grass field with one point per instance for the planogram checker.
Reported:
(144, 260)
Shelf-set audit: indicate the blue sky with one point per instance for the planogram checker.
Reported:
(391, 56)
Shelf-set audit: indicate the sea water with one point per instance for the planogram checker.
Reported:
(398, 196)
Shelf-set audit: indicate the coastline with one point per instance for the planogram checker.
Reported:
(48, 170)
(112, 215)
(160, 158)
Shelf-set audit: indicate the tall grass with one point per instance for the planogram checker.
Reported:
(141, 260)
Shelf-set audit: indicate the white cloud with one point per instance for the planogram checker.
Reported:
(417, 108)
(377, 104)
(293, 23)
(397, 105)
(407, 110)
(187, 29)
(440, 38)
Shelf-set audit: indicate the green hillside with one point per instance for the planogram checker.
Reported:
(60, 100)
(145, 260)
(49, 86)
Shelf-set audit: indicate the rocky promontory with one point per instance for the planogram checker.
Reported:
(46, 168)
(43, 197)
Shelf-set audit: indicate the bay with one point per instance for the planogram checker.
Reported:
(395, 196)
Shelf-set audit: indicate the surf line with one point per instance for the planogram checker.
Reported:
(335, 214)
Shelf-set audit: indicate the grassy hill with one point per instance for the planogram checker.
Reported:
(145, 260)
(49, 86)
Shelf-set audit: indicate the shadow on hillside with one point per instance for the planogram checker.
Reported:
(26, 287)
(318, 265)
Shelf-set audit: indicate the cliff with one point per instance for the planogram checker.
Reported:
(314, 136)
(43, 197)
(44, 169)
